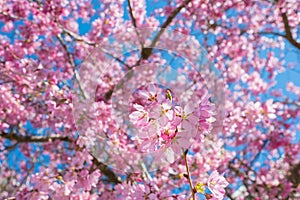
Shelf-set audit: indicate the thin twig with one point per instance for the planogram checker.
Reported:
(271, 33)
(80, 39)
(71, 61)
(134, 24)
(77, 37)
(188, 174)
(265, 142)
(117, 59)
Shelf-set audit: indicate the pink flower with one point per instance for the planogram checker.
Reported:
(163, 113)
(140, 116)
(150, 94)
(150, 130)
(216, 184)
(268, 109)
(168, 132)
(189, 120)
(183, 139)
(86, 180)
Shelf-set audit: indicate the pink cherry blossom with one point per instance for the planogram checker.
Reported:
(216, 184)
(140, 117)
(150, 94)
(163, 113)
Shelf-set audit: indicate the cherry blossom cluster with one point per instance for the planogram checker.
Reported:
(164, 124)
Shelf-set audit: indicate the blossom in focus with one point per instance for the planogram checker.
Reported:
(162, 112)
(167, 126)
(140, 116)
(216, 184)
(150, 94)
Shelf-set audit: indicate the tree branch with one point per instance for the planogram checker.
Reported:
(228, 194)
(288, 33)
(147, 51)
(71, 61)
(131, 14)
(271, 33)
(80, 39)
(188, 174)
(117, 59)
(265, 142)
(112, 177)
(77, 37)
(37, 139)
(134, 23)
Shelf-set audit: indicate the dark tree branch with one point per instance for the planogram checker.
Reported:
(147, 51)
(288, 33)
(80, 39)
(116, 58)
(228, 194)
(259, 152)
(112, 177)
(271, 33)
(131, 14)
(37, 139)
(293, 175)
(134, 24)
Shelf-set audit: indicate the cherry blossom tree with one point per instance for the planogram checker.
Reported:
(134, 99)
